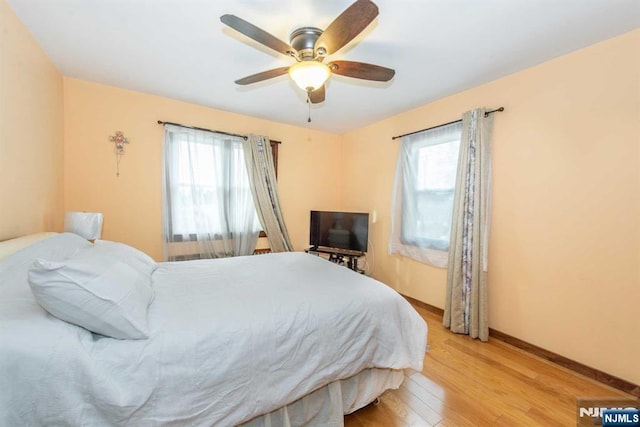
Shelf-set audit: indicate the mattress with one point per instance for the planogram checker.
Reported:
(231, 340)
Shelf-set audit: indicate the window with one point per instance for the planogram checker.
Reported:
(431, 193)
(423, 195)
(207, 181)
(208, 198)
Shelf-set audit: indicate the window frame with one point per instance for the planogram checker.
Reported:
(274, 152)
(409, 233)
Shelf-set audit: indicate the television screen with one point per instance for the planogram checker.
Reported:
(342, 230)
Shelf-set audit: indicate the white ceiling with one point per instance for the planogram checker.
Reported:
(180, 49)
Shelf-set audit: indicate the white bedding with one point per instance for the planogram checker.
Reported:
(230, 339)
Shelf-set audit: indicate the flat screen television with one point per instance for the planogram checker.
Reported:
(340, 230)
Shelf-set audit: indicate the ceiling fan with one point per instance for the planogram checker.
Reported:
(310, 45)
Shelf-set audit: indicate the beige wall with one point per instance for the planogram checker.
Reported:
(30, 133)
(564, 270)
(132, 202)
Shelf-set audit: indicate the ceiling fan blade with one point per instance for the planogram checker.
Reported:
(256, 34)
(258, 77)
(347, 26)
(317, 96)
(362, 70)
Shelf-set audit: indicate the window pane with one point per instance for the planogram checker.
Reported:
(429, 181)
(434, 226)
(194, 205)
(437, 165)
(208, 179)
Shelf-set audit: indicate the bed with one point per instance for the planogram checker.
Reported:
(269, 340)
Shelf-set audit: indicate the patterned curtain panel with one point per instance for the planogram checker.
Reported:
(466, 302)
(264, 187)
(208, 209)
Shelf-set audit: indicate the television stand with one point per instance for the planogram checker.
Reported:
(338, 256)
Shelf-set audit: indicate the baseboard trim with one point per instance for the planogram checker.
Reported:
(428, 307)
(587, 371)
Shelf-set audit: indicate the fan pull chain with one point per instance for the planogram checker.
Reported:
(309, 107)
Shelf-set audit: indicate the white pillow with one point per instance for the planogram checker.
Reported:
(96, 290)
(133, 257)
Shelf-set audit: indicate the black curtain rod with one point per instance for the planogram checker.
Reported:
(160, 122)
(445, 124)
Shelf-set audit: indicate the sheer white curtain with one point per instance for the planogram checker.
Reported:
(466, 310)
(423, 194)
(262, 176)
(208, 206)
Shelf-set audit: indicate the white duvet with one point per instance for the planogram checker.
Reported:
(230, 339)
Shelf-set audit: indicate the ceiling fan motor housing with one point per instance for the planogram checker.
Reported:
(303, 40)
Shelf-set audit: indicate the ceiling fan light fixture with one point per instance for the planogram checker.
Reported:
(309, 75)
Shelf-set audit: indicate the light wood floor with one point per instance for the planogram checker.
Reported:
(468, 383)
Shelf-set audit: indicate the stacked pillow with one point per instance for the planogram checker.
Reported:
(105, 288)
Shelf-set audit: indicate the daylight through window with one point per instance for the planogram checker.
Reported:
(424, 191)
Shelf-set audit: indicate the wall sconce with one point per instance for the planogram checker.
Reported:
(85, 224)
(119, 140)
